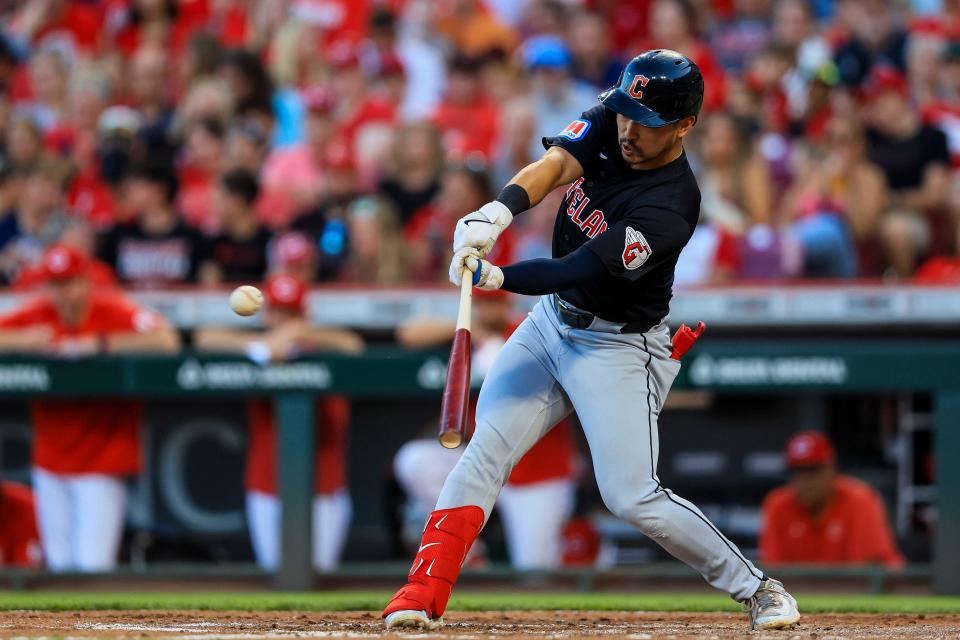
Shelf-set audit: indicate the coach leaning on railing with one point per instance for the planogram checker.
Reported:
(83, 448)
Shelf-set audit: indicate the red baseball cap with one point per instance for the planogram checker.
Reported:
(286, 292)
(809, 449)
(884, 79)
(62, 261)
(294, 248)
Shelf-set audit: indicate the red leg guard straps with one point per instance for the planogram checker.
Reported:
(446, 539)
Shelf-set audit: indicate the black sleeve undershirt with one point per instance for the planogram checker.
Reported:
(545, 275)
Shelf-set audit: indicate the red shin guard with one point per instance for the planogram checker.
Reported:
(446, 539)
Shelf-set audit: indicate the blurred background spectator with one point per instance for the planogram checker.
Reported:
(84, 449)
(822, 516)
(288, 334)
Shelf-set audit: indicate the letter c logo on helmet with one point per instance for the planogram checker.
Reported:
(639, 81)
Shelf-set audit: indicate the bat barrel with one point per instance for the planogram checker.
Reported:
(456, 392)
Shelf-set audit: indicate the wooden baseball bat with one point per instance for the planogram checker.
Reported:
(456, 390)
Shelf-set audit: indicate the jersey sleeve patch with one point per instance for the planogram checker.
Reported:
(636, 249)
(576, 130)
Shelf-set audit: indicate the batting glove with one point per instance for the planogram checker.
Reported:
(480, 229)
(486, 276)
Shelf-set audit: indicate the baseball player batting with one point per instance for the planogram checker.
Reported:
(596, 342)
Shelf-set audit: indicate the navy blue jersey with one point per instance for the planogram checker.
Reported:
(636, 221)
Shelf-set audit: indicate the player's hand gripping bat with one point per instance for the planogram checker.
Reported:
(456, 391)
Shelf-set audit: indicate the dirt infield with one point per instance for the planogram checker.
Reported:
(467, 626)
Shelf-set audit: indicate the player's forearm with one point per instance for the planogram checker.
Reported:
(539, 178)
(216, 340)
(22, 341)
(329, 339)
(165, 340)
(543, 276)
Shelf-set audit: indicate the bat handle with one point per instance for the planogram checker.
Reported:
(466, 298)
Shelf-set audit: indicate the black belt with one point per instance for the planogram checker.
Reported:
(580, 319)
(570, 315)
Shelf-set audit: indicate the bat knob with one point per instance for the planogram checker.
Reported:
(451, 440)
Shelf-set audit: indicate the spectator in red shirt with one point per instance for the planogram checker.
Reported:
(19, 538)
(88, 195)
(163, 23)
(467, 118)
(80, 236)
(823, 517)
(795, 28)
(288, 334)
(83, 449)
(77, 24)
(363, 116)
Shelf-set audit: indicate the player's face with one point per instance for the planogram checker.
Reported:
(813, 486)
(650, 147)
(70, 297)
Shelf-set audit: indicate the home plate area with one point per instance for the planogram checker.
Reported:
(467, 625)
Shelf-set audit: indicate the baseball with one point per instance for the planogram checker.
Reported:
(246, 300)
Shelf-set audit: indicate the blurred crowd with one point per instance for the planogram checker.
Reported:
(209, 141)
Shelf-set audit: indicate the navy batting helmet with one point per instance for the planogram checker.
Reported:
(657, 88)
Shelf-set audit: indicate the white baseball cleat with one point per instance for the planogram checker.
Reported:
(413, 620)
(771, 607)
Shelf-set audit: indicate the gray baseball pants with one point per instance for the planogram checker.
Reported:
(617, 384)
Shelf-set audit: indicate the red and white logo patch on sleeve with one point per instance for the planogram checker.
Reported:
(576, 130)
(636, 249)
